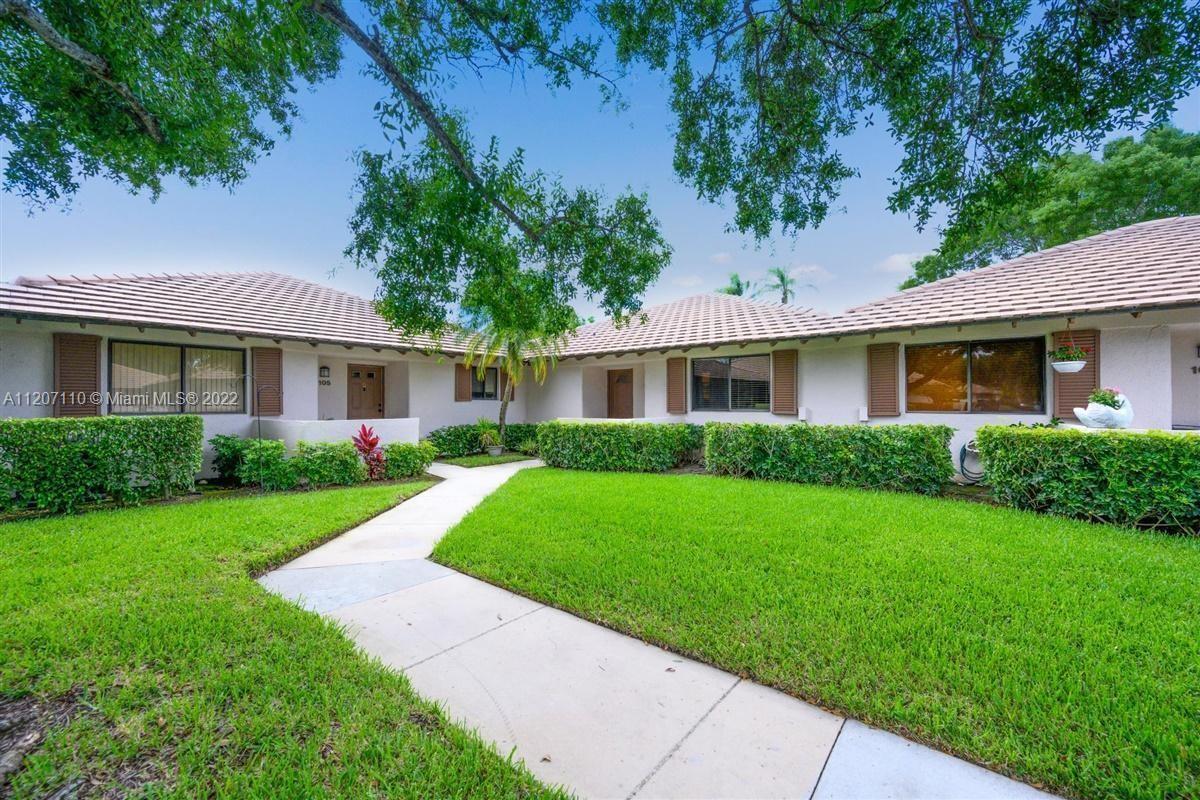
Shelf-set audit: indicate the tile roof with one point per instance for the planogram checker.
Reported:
(704, 319)
(264, 304)
(1148, 265)
(1145, 266)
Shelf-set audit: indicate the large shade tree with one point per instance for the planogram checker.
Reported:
(977, 94)
(1076, 195)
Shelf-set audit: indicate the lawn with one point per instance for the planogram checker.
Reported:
(1059, 652)
(172, 673)
(485, 460)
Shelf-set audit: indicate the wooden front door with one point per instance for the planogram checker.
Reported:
(364, 387)
(620, 394)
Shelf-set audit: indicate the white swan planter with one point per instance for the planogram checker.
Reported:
(1097, 415)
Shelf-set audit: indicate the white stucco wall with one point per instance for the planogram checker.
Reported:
(595, 392)
(26, 366)
(292, 431)
(431, 397)
(1185, 381)
(1138, 361)
(560, 396)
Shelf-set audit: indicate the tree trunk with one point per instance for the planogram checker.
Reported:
(504, 398)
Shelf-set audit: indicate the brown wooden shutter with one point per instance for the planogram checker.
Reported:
(883, 380)
(1071, 390)
(462, 383)
(267, 366)
(504, 383)
(783, 382)
(76, 375)
(677, 385)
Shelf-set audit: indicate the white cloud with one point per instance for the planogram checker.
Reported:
(810, 273)
(899, 263)
(688, 281)
(721, 258)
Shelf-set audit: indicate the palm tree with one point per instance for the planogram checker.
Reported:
(511, 350)
(738, 287)
(782, 282)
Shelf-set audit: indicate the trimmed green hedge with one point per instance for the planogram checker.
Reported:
(265, 463)
(909, 458)
(328, 463)
(617, 446)
(403, 460)
(454, 441)
(1149, 480)
(61, 464)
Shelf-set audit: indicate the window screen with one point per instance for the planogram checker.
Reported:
(167, 379)
(738, 383)
(485, 388)
(998, 376)
(214, 380)
(144, 378)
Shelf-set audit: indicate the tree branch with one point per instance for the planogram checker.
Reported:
(424, 109)
(96, 65)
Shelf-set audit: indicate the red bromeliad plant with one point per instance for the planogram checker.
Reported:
(367, 442)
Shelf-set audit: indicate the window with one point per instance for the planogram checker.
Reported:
(999, 376)
(485, 388)
(169, 379)
(738, 383)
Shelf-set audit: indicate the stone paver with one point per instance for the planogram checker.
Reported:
(602, 714)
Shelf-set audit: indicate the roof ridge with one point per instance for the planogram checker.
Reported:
(1016, 262)
(116, 277)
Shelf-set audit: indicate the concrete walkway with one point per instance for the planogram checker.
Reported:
(602, 714)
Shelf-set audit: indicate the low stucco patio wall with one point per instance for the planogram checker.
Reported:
(291, 431)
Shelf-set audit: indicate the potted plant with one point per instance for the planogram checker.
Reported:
(1067, 358)
(490, 439)
(1106, 408)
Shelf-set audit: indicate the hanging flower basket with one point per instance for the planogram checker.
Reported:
(1068, 358)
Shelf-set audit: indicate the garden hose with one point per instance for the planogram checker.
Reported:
(969, 475)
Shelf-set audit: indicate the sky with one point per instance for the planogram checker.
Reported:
(291, 214)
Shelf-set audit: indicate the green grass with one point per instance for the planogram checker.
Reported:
(1059, 652)
(484, 460)
(189, 680)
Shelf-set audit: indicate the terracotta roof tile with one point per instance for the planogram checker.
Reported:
(704, 319)
(246, 303)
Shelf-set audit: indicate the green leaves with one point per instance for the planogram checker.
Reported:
(60, 465)
(617, 447)
(908, 458)
(1072, 197)
(438, 243)
(78, 83)
(1150, 480)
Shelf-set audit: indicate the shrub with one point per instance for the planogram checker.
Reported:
(228, 452)
(1150, 480)
(366, 442)
(328, 463)
(60, 464)
(403, 460)
(264, 463)
(518, 433)
(454, 441)
(617, 446)
(912, 458)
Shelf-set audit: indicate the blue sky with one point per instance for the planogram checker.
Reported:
(291, 214)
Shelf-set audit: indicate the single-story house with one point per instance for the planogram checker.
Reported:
(305, 361)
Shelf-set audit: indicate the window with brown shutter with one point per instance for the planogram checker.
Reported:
(883, 380)
(783, 384)
(462, 383)
(982, 377)
(1071, 389)
(268, 381)
(677, 385)
(76, 375)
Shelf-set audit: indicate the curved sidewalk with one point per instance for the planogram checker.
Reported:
(602, 714)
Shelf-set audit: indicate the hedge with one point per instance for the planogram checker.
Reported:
(909, 458)
(617, 447)
(61, 464)
(455, 441)
(265, 463)
(1148, 480)
(328, 463)
(403, 460)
